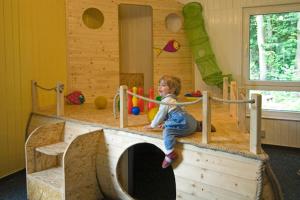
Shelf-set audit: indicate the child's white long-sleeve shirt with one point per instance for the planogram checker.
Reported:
(163, 110)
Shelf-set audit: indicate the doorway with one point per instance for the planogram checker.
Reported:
(135, 39)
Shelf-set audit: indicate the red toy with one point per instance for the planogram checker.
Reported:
(75, 98)
(151, 96)
(140, 101)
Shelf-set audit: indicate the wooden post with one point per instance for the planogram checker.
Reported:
(242, 110)
(233, 96)
(225, 88)
(59, 99)
(206, 121)
(123, 106)
(255, 124)
(34, 96)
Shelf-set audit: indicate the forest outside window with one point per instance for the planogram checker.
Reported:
(271, 56)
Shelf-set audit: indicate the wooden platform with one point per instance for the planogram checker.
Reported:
(223, 169)
(228, 136)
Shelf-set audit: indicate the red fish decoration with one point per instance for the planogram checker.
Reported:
(171, 46)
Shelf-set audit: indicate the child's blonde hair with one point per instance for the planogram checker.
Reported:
(173, 83)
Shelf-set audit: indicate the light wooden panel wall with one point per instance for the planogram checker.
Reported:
(199, 173)
(93, 54)
(280, 132)
(223, 22)
(33, 46)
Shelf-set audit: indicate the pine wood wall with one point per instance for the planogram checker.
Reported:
(93, 54)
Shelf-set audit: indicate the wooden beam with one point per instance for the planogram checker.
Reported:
(206, 121)
(255, 124)
(233, 96)
(60, 99)
(241, 110)
(34, 96)
(123, 106)
(225, 88)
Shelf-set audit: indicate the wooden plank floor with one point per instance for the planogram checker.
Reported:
(228, 136)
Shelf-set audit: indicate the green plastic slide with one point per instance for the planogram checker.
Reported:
(200, 45)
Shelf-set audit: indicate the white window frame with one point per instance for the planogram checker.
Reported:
(266, 85)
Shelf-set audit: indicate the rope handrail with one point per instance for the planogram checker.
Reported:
(164, 103)
(255, 114)
(178, 104)
(233, 101)
(192, 102)
(61, 88)
(43, 88)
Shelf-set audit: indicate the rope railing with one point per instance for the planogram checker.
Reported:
(59, 97)
(255, 113)
(251, 101)
(159, 102)
(43, 88)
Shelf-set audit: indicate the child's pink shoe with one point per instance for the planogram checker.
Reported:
(169, 158)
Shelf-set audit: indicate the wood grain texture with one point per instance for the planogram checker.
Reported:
(45, 135)
(94, 55)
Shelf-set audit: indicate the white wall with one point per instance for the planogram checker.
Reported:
(223, 22)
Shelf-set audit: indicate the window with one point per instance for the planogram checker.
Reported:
(271, 58)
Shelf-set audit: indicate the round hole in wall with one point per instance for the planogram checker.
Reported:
(139, 173)
(173, 22)
(93, 18)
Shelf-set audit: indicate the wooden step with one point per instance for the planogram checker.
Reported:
(52, 177)
(53, 149)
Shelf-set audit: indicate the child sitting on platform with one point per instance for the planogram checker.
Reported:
(175, 121)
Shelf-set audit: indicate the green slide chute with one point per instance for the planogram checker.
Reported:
(200, 45)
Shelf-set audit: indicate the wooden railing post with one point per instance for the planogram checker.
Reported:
(123, 106)
(225, 88)
(206, 121)
(241, 118)
(255, 124)
(233, 96)
(60, 99)
(34, 96)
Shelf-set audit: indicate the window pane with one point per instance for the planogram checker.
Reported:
(274, 47)
(279, 100)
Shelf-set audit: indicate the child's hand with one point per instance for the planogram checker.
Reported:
(162, 126)
(148, 127)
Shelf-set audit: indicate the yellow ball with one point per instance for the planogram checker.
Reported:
(152, 112)
(100, 102)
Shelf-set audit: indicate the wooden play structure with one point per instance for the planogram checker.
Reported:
(227, 164)
(79, 152)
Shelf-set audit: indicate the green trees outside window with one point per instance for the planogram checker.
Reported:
(275, 47)
(274, 56)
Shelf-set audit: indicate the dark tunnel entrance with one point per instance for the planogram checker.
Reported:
(146, 178)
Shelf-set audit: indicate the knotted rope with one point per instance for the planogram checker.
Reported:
(175, 104)
(61, 88)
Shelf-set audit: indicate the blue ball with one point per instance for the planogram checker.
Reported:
(135, 110)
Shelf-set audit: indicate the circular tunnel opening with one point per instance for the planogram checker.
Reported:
(141, 175)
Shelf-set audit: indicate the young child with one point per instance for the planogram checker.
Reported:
(175, 121)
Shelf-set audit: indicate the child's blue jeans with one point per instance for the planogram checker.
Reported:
(178, 124)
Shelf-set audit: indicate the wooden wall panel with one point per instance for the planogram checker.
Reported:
(93, 54)
(33, 46)
(280, 132)
(199, 173)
